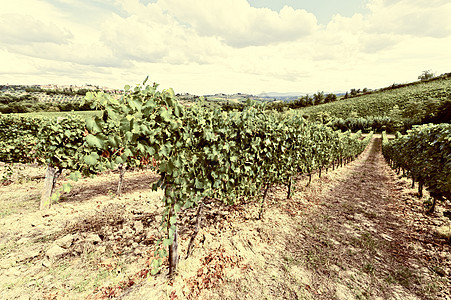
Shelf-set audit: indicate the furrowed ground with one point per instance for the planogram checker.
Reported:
(358, 232)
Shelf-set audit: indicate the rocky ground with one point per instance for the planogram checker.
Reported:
(358, 232)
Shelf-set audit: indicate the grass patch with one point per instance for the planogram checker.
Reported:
(370, 214)
(82, 285)
(44, 239)
(368, 268)
(318, 258)
(403, 276)
(365, 241)
(289, 259)
(430, 289)
(6, 247)
(6, 212)
(11, 203)
(348, 208)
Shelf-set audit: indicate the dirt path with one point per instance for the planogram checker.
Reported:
(358, 232)
(362, 240)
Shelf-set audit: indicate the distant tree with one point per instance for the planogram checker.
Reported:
(330, 98)
(354, 92)
(346, 95)
(33, 89)
(301, 102)
(318, 98)
(365, 90)
(426, 75)
(308, 100)
(82, 92)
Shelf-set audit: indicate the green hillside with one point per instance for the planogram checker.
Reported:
(414, 102)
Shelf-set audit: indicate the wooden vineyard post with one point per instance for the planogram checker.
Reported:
(260, 214)
(309, 176)
(121, 169)
(173, 247)
(420, 189)
(196, 230)
(51, 176)
(290, 182)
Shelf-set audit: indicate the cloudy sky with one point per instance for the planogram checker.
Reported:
(211, 46)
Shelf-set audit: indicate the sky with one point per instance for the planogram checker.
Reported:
(224, 46)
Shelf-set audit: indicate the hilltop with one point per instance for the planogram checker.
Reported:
(395, 108)
(381, 102)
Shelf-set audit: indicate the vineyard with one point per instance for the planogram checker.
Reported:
(396, 109)
(250, 164)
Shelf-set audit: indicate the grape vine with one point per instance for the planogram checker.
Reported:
(424, 154)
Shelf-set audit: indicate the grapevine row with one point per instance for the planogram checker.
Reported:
(58, 143)
(424, 154)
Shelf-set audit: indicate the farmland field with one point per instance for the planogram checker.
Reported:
(358, 231)
(83, 114)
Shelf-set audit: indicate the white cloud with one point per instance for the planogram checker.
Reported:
(374, 43)
(144, 40)
(85, 54)
(16, 64)
(347, 38)
(22, 29)
(415, 18)
(39, 9)
(240, 25)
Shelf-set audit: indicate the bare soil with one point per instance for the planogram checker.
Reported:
(358, 232)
